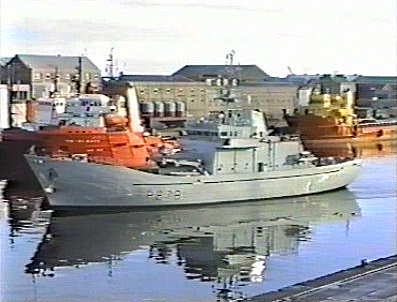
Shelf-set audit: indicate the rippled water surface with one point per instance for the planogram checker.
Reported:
(217, 253)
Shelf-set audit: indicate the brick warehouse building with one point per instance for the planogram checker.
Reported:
(200, 87)
(34, 76)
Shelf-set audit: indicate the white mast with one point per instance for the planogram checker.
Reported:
(133, 109)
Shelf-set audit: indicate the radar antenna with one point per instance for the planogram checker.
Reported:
(229, 58)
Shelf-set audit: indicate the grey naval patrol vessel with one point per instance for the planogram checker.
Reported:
(231, 157)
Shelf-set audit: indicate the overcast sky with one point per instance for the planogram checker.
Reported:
(161, 36)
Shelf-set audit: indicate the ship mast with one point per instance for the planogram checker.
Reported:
(79, 76)
(229, 78)
(56, 79)
(111, 64)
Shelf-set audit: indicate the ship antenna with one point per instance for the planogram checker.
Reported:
(111, 63)
(56, 79)
(229, 75)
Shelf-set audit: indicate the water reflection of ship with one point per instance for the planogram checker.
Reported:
(359, 149)
(24, 213)
(224, 244)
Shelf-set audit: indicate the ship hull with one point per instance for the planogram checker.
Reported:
(352, 149)
(79, 184)
(318, 130)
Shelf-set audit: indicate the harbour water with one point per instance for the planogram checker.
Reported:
(216, 253)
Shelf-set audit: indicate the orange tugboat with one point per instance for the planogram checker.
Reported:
(112, 144)
(330, 120)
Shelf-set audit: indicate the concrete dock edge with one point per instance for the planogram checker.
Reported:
(297, 291)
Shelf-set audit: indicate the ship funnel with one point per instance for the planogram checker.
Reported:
(133, 109)
(259, 121)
